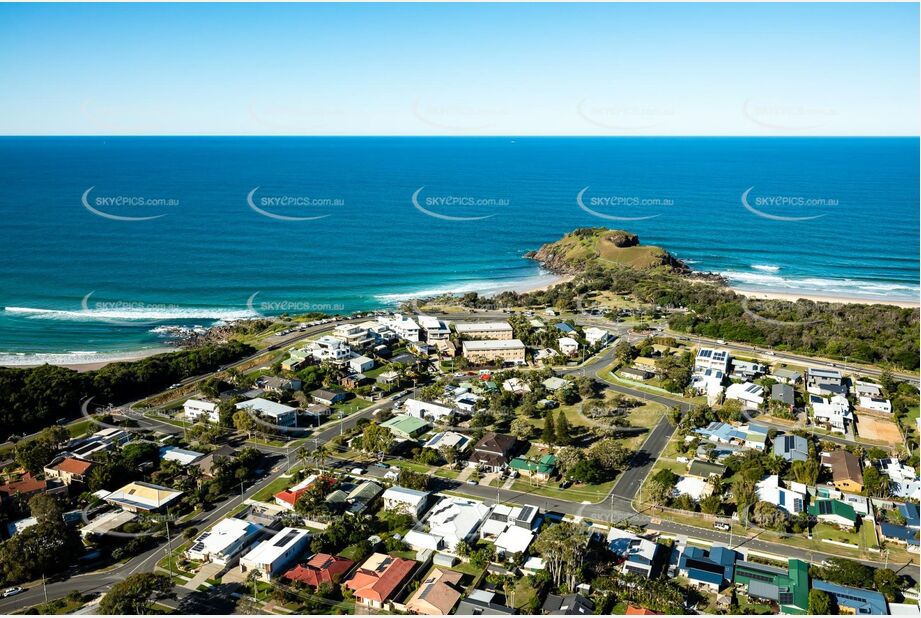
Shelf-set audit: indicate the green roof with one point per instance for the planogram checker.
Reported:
(545, 465)
(406, 425)
(702, 468)
(833, 507)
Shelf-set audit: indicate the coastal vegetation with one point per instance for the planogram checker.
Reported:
(32, 398)
(603, 260)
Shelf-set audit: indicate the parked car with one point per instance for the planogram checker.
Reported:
(721, 526)
(357, 471)
(9, 592)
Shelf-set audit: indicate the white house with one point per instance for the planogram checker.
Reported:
(405, 328)
(405, 500)
(275, 413)
(435, 329)
(513, 540)
(516, 385)
(328, 348)
(568, 346)
(270, 557)
(594, 335)
(354, 335)
(903, 482)
(708, 358)
(792, 500)
(427, 410)
(834, 412)
(876, 404)
(751, 395)
(638, 554)
(360, 364)
(195, 409)
(451, 521)
(708, 382)
(458, 441)
(223, 542)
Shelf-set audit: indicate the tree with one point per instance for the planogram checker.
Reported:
(819, 603)
(567, 458)
(711, 504)
(888, 583)
(806, 472)
(563, 547)
(45, 509)
(376, 439)
(562, 429)
(33, 455)
(413, 480)
(875, 485)
(521, 428)
(242, 421)
(44, 548)
(449, 453)
(847, 572)
(548, 435)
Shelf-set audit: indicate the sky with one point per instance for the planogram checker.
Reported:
(459, 69)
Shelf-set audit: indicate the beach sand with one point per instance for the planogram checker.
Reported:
(105, 359)
(546, 286)
(793, 296)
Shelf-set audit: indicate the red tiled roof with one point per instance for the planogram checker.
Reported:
(321, 569)
(632, 610)
(379, 585)
(73, 466)
(27, 485)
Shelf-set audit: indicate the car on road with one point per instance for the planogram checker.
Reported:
(176, 385)
(381, 465)
(9, 592)
(472, 482)
(357, 471)
(721, 526)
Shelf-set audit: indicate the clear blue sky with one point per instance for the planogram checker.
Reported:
(454, 69)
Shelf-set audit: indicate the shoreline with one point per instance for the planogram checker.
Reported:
(104, 358)
(822, 298)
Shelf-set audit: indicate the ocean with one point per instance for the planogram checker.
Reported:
(107, 240)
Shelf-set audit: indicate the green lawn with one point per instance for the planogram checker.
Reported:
(522, 595)
(265, 494)
(351, 406)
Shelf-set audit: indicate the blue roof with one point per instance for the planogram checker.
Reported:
(862, 602)
(705, 576)
(904, 533)
(911, 513)
(756, 428)
(711, 567)
(721, 431)
(564, 327)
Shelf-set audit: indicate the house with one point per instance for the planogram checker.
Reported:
(565, 328)
(639, 555)
(747, 370)
(276, 384)
(320, 569)
(516, 385)
(541, 469)
(223, 542)
(708, 358)
(786, 376)
(825, 382)
(853, 600)
(555, 383)
(633, 610)
(433, 328)
(505, 350)
(755, 436)
(751, 395)
(645, 363)
(545, 355)
(875, 404)
(484, 330)
(721, 433)
(287, 498)
(493, 451)
(15, 527)
(900, 534)
(377, 581)
(360, 364)
(867, 389)
(358, 500)
(407, 501)
(354, 335)
(387, 378)
(195, 409)
(711, 569)
(791, 447)
(912, 515)
(568, 346)
(140, 497)
(428, 411)
(568, 605)
(632, 373)
(68, 470)
(328, 396)
(450, 439)
(834, 512)
(513, 541)
(705, 470)
(404, 327)
(275, 413)
(272, 556)
(207, 463)
(708, 382)
(784, 394)
(596, 336)
(183, 457)
(845, 470)
(437, 594)
(792, 500)
(451, 521)
(788, 587)
(481, 603)
(331, 349)
(103, 440)
(903, 481)
(406, 427)
(835, 412)
(353, 381)
(860, 504)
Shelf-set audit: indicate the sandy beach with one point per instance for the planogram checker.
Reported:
(100, 360)
(793, 296)
(546, 286)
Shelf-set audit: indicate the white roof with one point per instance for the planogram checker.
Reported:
(223, 535)
(406, 495)
(107, 522)
(692, 486)
(448, 438)
(473, 327)
(493, 527)
(500, 344)
(272, 549)
(515, 539)
(593, 332)
(361, 359)
(568, 341)
(202, 405)
(429, 322)
(421, 540)
(266, 407)
(423, 408)
(534, 563)
(455, 519)
(183, 456)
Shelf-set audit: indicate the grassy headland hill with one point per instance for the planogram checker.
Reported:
(604, 260)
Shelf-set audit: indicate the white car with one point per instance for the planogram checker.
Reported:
(357, 471)
(9, 592)
(392, 475)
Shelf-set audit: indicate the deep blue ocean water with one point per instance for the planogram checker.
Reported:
(841, 219)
